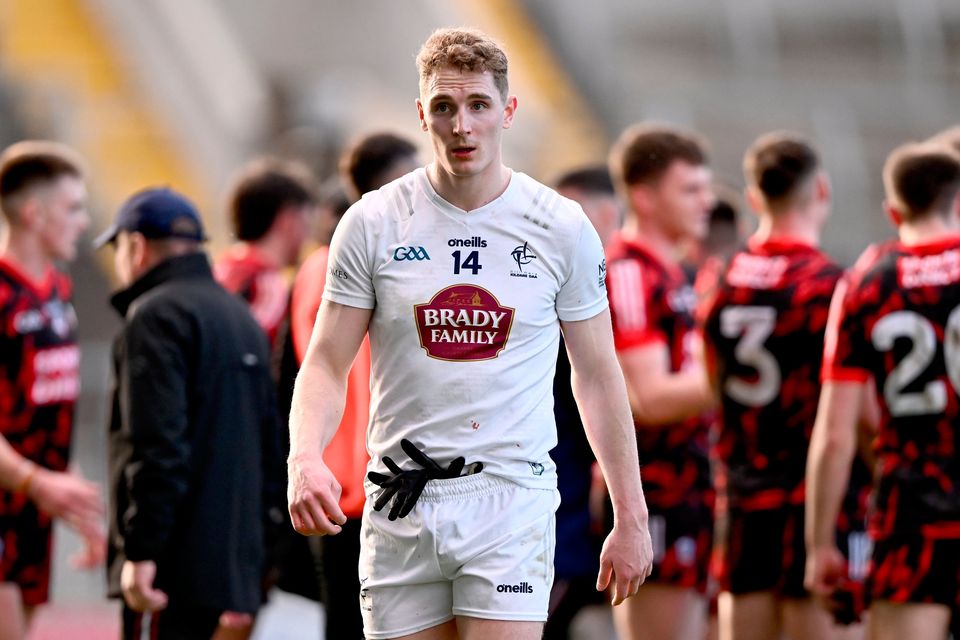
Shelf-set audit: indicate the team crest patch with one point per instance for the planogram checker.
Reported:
(463, 322)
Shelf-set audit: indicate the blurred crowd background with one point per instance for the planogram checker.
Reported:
(184, 92)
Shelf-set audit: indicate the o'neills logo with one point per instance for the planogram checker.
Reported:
(463, 322)
(523, 587)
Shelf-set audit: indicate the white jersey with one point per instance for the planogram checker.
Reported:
(465, 326)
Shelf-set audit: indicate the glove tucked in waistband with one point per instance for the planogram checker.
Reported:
(406, 485)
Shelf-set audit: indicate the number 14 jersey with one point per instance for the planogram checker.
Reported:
(465, 325)
(897, 320)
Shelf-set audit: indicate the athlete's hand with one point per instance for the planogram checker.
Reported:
(313, 496)
(136, 582)
(826, 568)
(94, 551)
(77, 502)
(626, 560)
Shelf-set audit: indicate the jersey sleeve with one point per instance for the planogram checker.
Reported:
(632, 295)
(843, 351)
(349, 270)
(584, 293)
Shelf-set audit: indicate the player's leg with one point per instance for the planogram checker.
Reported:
(912, 584)
(804, 619)
(661, 612)
(499, 548)
(914, 621)
(481, 629)
(755, 551)
(403, 593)
(672, 603)
(748, 616)
(11, 613)
(445, 631)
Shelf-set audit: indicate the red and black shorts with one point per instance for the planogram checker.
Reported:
(915, 568)
(761, 550)
(25, 547)
(681, 546)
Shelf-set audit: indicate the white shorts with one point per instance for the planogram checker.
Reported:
(478, 546)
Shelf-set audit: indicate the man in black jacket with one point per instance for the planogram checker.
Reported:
(192, 461)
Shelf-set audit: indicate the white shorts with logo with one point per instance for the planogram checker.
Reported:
(478, 546)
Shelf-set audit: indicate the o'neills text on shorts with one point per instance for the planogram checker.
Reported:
(523, 587)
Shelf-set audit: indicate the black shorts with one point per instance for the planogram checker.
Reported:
(25, 547)
(761, 550)
(915, 568)
(681, 546)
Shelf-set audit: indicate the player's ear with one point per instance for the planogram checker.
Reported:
(822, 187)
(754, 200)
(893, 213)
(423, 122)
(640, 198)
(509, 110)
(29, 213)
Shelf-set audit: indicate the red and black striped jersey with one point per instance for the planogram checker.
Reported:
(763, 316)
(39, 365)
(896, 320)
(653, 302)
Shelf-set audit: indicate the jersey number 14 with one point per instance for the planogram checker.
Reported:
(472, 262)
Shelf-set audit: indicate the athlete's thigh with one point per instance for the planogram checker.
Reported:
(11, 613)
(804, 619)
(445, 631)
(481, 629)
(661, 612)
(749, 616)
(915, 621)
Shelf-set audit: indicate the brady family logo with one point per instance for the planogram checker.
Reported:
(523, 587)
(463, 322)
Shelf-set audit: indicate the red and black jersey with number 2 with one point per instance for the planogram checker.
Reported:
(763, 316)
(653, 302)
(897, 319)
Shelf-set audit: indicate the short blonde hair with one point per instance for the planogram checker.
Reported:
(466, 49)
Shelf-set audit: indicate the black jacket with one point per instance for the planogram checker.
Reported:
(194, 465)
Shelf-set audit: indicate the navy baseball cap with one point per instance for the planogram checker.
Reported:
(157, 213)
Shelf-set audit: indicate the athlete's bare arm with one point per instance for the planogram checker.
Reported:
(832, 447)
(318, 398)
(598, 386)
(63, 495)
(658, 395)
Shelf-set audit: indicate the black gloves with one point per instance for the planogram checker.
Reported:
(405, 486)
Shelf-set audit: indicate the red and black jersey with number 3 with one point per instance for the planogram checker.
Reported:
(897, 320)
(653, 302)
(39, 365)
(763, 315)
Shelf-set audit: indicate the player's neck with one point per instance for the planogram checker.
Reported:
(652, 236)
(787, 227)
(26, 253)
(926, 230)
(470, 192)
(273, 249)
